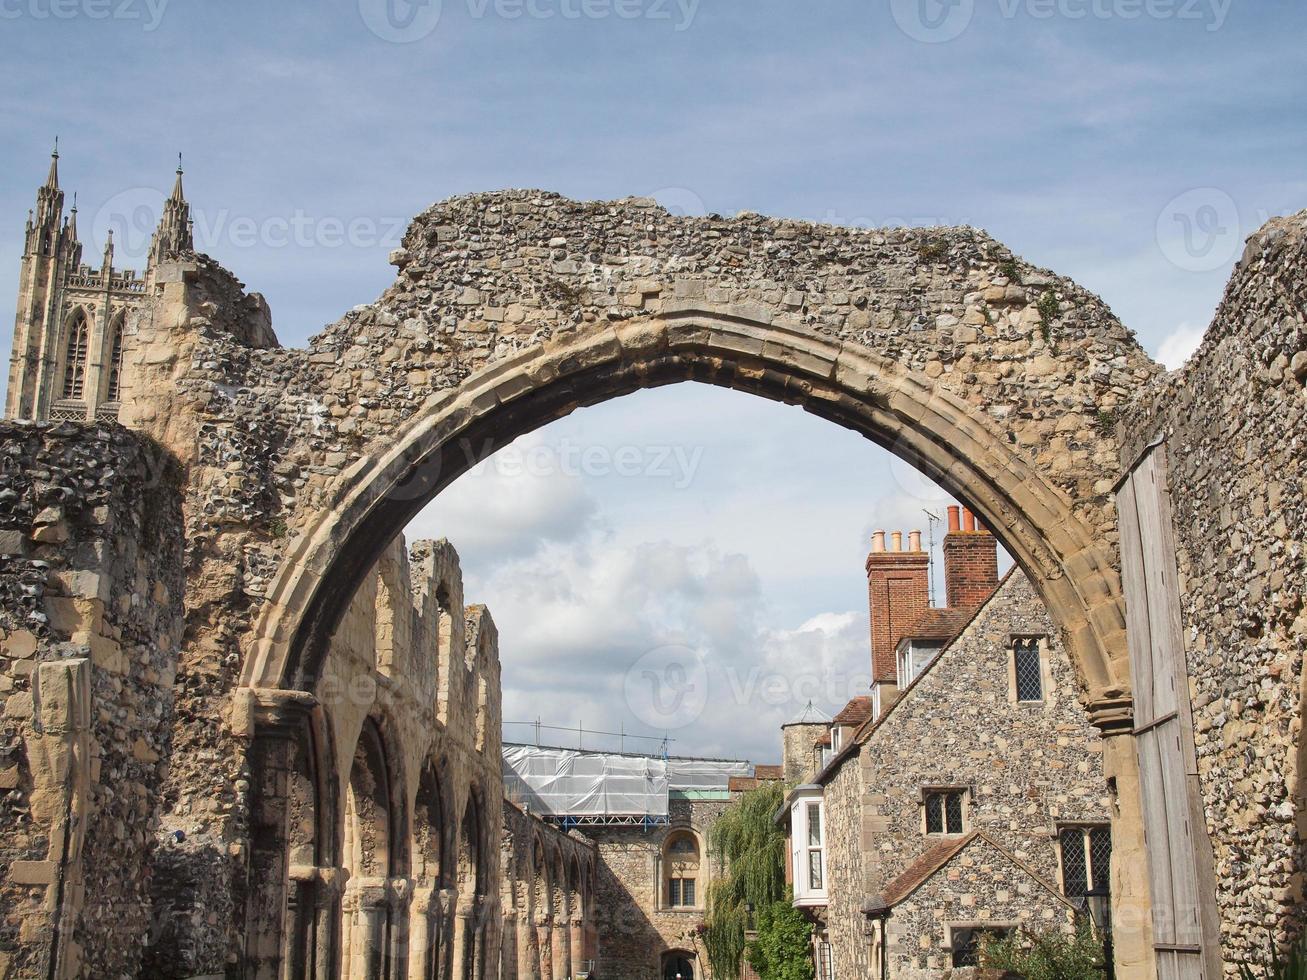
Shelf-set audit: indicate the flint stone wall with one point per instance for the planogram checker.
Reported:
(91, 584)
(1235, 423)
(272, 436)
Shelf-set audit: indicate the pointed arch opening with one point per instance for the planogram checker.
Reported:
(76, 346)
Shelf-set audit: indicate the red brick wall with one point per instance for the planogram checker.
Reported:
(970, 567)
(898, 591)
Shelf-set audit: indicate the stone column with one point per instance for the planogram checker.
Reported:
(577, 945)
(508, 965)
(279, 723)
(1132, 921)
(464, 934)
(545, 946)
(562, 950)
(399, 892)
(327, 931)
(368, 911)
(423, 934)
(528, 956)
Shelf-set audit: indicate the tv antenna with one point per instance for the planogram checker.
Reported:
(931, 520)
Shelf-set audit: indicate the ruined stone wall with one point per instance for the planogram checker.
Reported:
(1235, 424)
(272, 438)
(1027, 767)
(528, 901)
(91, 584)
(633, 918)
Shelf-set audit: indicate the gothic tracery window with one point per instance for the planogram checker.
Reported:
(75, 347)
(113, 389)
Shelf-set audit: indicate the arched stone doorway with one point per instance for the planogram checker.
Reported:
(679, 965)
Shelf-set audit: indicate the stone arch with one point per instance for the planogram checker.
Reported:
(943, 435)
(683, 863)
(374, 855)
(469, 936)
(427, 926)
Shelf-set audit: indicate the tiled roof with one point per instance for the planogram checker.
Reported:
(931, 860)
(741, 784)
(924, 867)
(768, 773)
(856, 711)
(939, 625)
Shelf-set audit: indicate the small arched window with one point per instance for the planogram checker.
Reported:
(113, 390)
(681, 870)
(78, 337)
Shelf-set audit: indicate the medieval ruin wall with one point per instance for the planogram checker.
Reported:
(1234, 421)
(91, 592)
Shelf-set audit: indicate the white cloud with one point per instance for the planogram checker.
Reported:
(1179, 345)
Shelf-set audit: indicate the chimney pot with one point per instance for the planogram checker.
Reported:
(896, 541)
(878, 543)
(954, 521)
(968, 519)
(914, 541)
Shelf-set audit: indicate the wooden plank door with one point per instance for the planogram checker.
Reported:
(1185, 928)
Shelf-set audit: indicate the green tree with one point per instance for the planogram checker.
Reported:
(783, 949)
(748, 851)
(1050, 955)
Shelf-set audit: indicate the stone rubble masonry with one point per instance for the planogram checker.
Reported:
(940, 327)
(91, 587)
(1026, 768)
(636, 926)
(299, 467)
(547, 877)
(1235, 423)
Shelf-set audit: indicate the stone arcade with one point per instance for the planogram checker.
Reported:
(181, 592)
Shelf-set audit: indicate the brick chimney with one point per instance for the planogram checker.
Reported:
(898, 591)
(970, 560)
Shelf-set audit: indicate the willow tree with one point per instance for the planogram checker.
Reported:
(748, 852)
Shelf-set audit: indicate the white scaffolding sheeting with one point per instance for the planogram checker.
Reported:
(569, 783)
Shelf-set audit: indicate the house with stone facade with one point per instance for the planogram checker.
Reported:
(970, 799)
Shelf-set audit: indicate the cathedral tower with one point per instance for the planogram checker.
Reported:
(73, 319)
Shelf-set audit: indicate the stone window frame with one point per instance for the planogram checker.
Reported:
(989, 925)
(662, 875)
(1045, 668)
(931, 789)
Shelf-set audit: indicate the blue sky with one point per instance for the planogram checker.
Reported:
(1130, 144)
